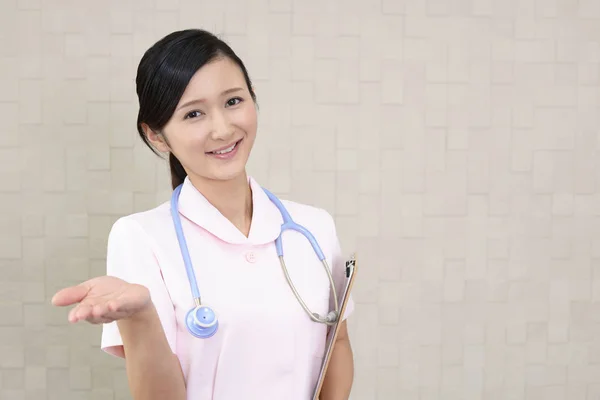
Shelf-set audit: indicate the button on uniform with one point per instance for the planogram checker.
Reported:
(251, 257)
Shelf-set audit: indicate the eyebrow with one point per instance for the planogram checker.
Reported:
(189, 103)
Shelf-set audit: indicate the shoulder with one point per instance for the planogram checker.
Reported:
(141, 225)
(306, 210)
(312, 217)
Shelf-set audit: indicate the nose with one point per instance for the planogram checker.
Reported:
(221, 128)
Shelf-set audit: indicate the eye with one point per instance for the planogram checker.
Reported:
(193, 114)
(234, 101)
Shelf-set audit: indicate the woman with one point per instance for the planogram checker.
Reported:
(198, 105)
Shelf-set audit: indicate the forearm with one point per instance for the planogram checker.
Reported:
(340, 373)
(153, 370)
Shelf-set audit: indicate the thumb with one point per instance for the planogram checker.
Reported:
(71, 295)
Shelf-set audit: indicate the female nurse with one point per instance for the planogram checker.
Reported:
(197, 103)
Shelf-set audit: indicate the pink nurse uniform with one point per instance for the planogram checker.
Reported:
(266, 347)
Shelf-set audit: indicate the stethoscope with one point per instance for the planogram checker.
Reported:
(202, 321)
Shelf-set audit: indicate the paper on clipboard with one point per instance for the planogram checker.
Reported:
(334, 329)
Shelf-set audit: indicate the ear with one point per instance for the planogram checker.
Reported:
(156, 139)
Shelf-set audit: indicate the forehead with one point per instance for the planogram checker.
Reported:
(214, 78)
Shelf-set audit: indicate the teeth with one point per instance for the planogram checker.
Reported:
(227, 150)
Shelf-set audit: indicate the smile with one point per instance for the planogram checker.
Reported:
(225, 152)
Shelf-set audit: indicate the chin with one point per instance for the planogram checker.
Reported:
(227, 177)
(228, 173)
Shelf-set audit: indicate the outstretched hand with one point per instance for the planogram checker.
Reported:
(103, 299)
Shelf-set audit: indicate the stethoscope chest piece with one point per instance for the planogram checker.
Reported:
(202, 322)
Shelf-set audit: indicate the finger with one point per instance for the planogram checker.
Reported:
(103, 313)
(100, 312)
(104, 319)
(98, 321)
(112, 310)
(71, 295)
(91, 314)
(112, 306)
(81, 312)
(72, 315)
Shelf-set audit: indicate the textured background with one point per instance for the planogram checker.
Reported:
(455, 141)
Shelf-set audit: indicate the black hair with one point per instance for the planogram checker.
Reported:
(165, 71)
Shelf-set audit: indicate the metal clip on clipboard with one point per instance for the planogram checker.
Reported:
(350, 264)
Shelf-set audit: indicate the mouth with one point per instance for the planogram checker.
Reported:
(225, 152)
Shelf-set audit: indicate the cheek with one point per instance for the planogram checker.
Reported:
(195, 145)
(247, 120)
(189, 141)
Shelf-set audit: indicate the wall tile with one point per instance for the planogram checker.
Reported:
(459, 136)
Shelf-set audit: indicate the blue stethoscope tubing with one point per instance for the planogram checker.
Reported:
(201, 320)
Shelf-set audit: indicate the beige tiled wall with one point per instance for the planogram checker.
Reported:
(455, 141)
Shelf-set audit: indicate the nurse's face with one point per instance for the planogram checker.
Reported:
(213, 128)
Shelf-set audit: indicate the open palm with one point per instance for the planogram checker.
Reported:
(103, 299)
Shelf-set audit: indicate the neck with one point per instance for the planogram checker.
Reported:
(233, 199)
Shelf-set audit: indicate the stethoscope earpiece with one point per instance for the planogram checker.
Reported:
(202, 322)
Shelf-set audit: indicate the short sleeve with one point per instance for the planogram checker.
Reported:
(130, 257)
(338, 268)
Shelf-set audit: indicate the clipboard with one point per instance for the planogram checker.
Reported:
(334, 329)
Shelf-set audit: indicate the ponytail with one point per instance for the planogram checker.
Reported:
(178, 173)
